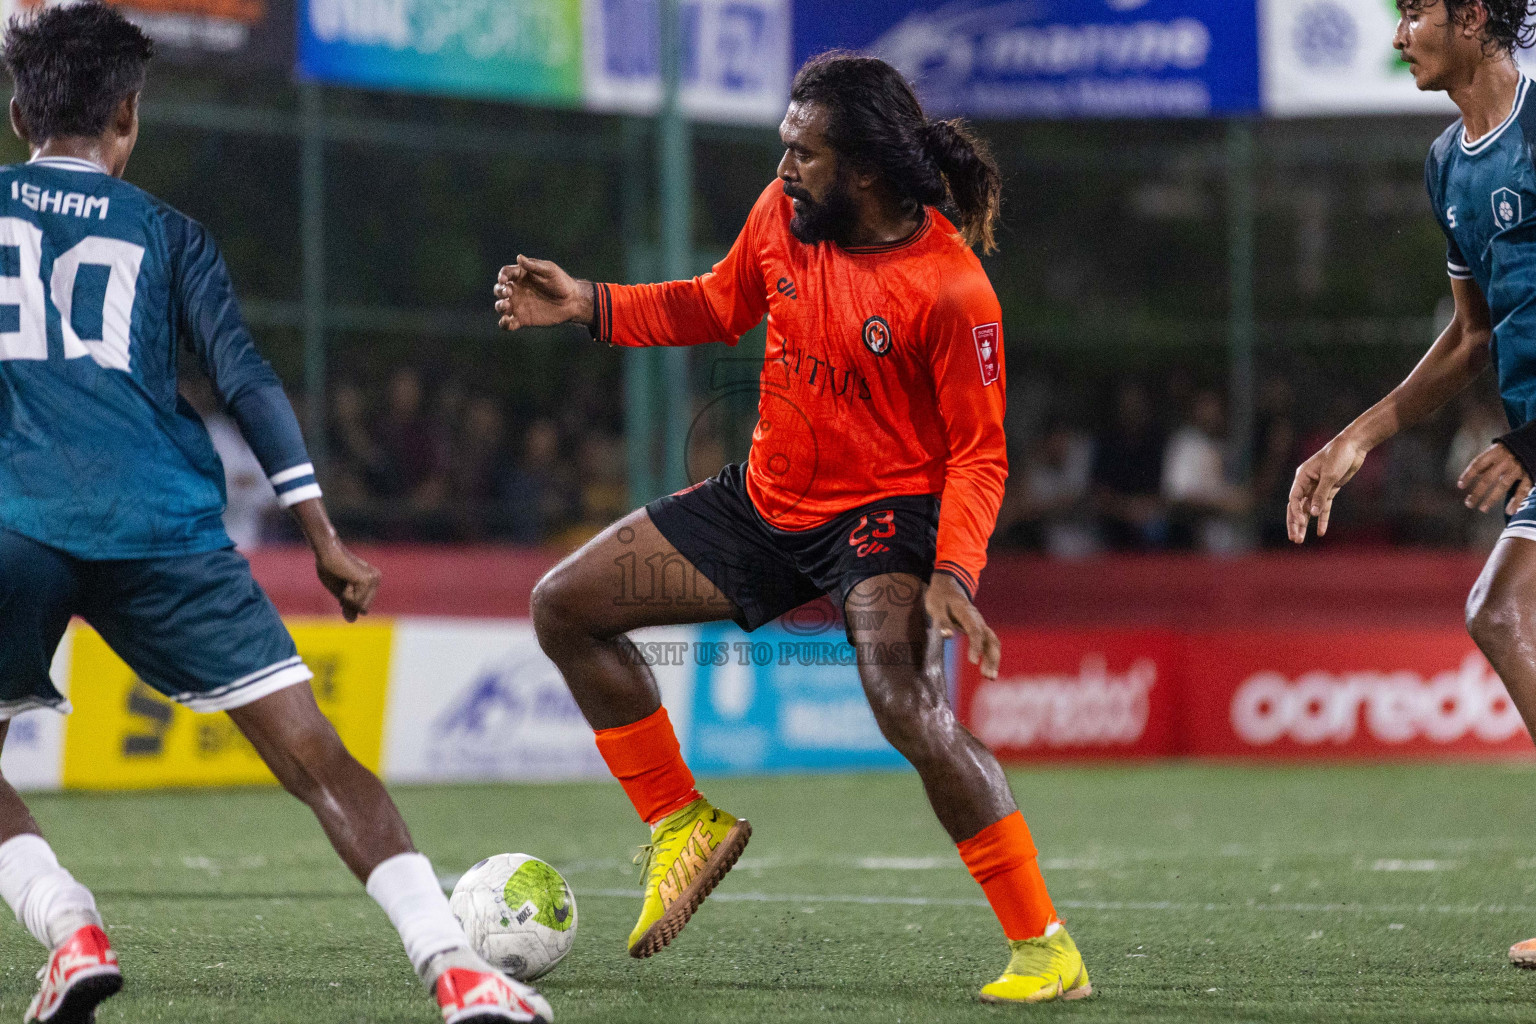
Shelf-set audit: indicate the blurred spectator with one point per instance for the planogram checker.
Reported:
(1127, 475)
(414, 446)
(604, 493)
(1482, 420)
(1357, 515)
(1275, 458)
(477, 468)
(1046, 509)
(537, 489)
(1207, 505)
(477, 460)
(358, 467)
(1420, 509)
(250, 501)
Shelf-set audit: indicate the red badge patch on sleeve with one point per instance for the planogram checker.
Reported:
(987, 336)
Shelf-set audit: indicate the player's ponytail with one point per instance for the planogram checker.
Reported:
(975, 185)
(875, 122)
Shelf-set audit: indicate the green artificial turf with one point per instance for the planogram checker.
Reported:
(1197, 893)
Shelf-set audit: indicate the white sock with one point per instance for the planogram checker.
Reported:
(406, 887)
(46, 898)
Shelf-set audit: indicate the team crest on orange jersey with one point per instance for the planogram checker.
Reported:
(986, 352)
(877, 335)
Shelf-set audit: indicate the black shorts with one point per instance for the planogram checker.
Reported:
(766, 571)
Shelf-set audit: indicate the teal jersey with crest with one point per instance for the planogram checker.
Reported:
(1484, 196)
(104, 290)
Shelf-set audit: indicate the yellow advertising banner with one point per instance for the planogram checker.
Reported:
(124, 735)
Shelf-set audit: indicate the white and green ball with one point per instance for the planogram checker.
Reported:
(518, 912)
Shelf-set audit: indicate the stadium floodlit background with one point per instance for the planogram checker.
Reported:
(1217, 250)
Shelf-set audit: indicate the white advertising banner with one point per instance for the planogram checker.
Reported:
(477, 700)
(1322, 57)
(33, 757)
(736, 62)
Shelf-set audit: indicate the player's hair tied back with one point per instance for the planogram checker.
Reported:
(875, 122)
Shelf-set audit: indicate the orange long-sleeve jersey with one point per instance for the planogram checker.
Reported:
(884, 372)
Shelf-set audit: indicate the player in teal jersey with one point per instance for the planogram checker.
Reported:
(110, 502)
(1482, 185)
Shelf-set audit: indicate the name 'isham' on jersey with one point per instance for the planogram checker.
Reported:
(103, 288)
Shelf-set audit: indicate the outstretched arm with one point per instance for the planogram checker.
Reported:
(538, 293)
(720, 305)
(1452, 362)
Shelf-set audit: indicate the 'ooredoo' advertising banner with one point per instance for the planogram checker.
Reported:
(1364, 693)
(1063, 693)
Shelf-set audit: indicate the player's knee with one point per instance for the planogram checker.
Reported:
(915, 727)
(1493, 616)
(556, 611)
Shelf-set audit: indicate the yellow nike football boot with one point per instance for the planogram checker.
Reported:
(1041, 970)
(690, 851)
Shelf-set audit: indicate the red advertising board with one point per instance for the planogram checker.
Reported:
(1077, 693)
(1346, 693)
(1280, 693)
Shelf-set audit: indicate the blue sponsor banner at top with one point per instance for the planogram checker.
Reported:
(1054, 58)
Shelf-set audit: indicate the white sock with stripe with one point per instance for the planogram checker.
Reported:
(406, 887)
(46, 897)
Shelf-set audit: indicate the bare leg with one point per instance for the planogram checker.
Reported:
(902, 668)
(301, 747)
(1501, 616)
(15, 819)
(627, 577)
(57, 910)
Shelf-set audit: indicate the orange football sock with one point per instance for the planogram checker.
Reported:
(647, 761)
(1002, 859)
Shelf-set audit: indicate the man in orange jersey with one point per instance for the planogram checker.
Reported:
(875, 476)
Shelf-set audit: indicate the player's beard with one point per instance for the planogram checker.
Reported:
(830, 220)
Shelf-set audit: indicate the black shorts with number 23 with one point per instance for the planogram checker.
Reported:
(766, 571)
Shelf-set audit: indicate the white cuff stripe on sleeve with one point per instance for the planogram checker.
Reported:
(298, 494)
(278, 479)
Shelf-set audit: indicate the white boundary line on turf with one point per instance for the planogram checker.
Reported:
(1108, 906)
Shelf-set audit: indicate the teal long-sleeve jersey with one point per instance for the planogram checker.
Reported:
(103, 289)
(1484, 196)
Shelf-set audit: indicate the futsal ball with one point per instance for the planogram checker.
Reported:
(518, 913)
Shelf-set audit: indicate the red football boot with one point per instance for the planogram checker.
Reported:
(488, 997)
(80, 974)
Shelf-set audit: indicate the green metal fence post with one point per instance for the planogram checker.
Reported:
(312, 245)
(1240, 274)
(675, 183)
(640, 363)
